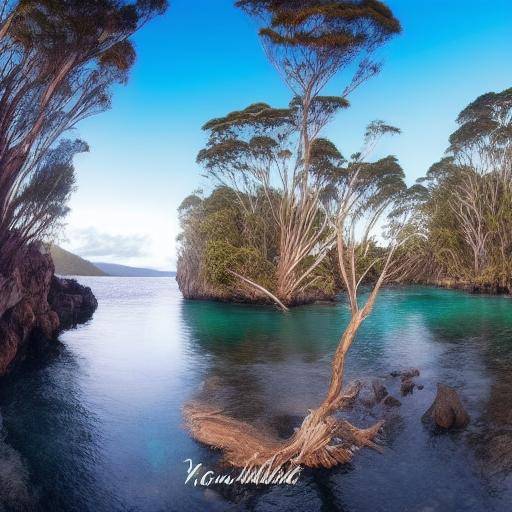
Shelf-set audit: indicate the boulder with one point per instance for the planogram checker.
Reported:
(447, 410)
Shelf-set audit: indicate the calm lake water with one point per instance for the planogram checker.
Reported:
(97, 425)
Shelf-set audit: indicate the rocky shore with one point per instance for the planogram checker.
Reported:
(36, 305)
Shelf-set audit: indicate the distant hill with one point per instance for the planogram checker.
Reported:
(69, 264)
(123, 271)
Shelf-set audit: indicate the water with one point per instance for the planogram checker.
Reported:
(97, 426)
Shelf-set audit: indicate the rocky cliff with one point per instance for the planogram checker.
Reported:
(35, 305)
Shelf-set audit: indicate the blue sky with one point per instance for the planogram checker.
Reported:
(204, 59)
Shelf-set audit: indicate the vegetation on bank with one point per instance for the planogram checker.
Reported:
(466, 213)
(458, 227)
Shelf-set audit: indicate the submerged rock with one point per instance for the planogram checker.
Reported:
(391, 401)
(379, 390)
(35, 305)
(407, 387)
(447, 410)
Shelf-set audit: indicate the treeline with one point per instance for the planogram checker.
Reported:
(458, 217)
(466, 215)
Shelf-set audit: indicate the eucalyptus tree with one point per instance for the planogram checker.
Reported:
(309, 43)
(362, 195)
(469, 210)
(482, 148)
(41, 202)
(58, 61)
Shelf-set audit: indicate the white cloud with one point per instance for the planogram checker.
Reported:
(95, 245)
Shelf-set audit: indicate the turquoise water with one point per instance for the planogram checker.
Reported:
(96, 425)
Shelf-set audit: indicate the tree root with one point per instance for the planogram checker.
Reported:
(321, 441)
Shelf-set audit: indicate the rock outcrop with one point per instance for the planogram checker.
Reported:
(35, 305)
(379, 390)
(74, 303)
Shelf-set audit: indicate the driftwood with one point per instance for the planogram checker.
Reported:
(447, 410)
(321, 441)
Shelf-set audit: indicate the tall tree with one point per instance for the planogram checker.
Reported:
(468, 211)
(309, 43)
(57, 63)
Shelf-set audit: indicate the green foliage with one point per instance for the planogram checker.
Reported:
(219, 235)
(221, 226)
(323, 278)
(221, 258)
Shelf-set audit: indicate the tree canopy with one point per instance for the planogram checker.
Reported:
(58, 61)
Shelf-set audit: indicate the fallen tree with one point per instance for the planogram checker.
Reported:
(363, 193)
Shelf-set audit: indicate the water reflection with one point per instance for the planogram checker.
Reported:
(97, 425)
(45, 399)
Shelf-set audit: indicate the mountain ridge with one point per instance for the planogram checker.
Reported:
(116, 270)
(69, 264)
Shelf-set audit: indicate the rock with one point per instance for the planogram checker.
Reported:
(379, 390)
(447, 410)
(10, 292)
(73, 303)
(366, 396)
(391, 401)
(409, 374)
(407, 387)
(35, 305)
(406, 374)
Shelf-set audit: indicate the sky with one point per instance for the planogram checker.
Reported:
(203, 59)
